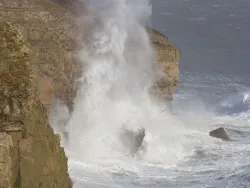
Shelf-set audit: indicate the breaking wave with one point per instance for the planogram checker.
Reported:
(113, 92)
(235, 104)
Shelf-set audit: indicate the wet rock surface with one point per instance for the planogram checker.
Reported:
(220, 133)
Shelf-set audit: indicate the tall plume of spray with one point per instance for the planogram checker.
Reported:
(113, 92)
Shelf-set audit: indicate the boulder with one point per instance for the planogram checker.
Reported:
(132, 139)
(220, 133)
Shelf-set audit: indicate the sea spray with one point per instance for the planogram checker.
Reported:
(214, 163)
(119, 68)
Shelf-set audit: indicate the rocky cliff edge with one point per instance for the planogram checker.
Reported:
(30, 153)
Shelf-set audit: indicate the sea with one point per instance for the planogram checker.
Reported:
(214, 91)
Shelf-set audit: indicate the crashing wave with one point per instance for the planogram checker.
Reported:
(246, 98)
(235, 104)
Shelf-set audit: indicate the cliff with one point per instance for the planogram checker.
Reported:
(38, 65)
(30, 153)
(168, 61)
(51, 33)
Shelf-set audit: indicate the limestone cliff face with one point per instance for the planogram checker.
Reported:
(51, 33)
(168, 61)
(30, 153)
(38, 65)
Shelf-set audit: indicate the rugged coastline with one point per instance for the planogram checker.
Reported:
(38, 65)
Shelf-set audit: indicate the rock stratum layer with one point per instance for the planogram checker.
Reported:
(30, 153)
(38, 64)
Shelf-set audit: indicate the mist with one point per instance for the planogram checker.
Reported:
(118, 135)
(119, 69)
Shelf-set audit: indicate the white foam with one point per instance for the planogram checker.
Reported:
(119, 68)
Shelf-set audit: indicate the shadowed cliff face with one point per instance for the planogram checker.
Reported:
(30, 153)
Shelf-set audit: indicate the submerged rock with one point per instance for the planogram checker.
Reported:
(220, 133)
